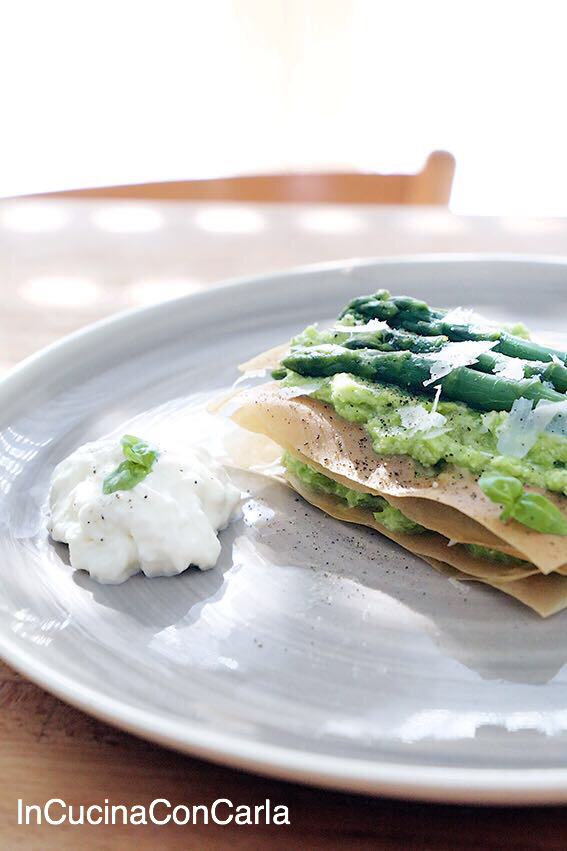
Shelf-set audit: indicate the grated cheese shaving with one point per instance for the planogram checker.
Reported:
(525, 424)
(416, 418)
(512, 368)
(368, 328)
(438, 388)
(466, 316)
(453, 355)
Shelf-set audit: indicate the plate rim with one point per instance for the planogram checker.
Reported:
(436, 784)
(484, 786)
(229, 284)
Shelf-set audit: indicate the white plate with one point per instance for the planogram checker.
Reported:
(313, 651)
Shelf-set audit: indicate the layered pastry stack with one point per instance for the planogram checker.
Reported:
(439, 429)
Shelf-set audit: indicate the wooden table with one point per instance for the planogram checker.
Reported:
(65, 264)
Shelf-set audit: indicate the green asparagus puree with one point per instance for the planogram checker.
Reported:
(495, 555)
(468, 438)
(385, 514)
(371, 367)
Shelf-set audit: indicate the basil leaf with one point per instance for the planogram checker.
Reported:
(504, 490)
(140, 457)
(530, 509)
(139, 451)
(537, 512)
(124, 478)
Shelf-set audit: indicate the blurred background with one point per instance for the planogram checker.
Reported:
(130, 91)
(325, 103)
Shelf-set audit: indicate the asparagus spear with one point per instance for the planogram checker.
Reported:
(555, 373)
(416, 316)
(394, 340)
(409, 371)
(382, 338)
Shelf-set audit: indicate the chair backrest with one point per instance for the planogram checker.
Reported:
(431, 185)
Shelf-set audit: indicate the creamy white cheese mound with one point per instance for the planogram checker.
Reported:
(165, 523)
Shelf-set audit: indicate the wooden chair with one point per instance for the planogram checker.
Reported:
(431, 185)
